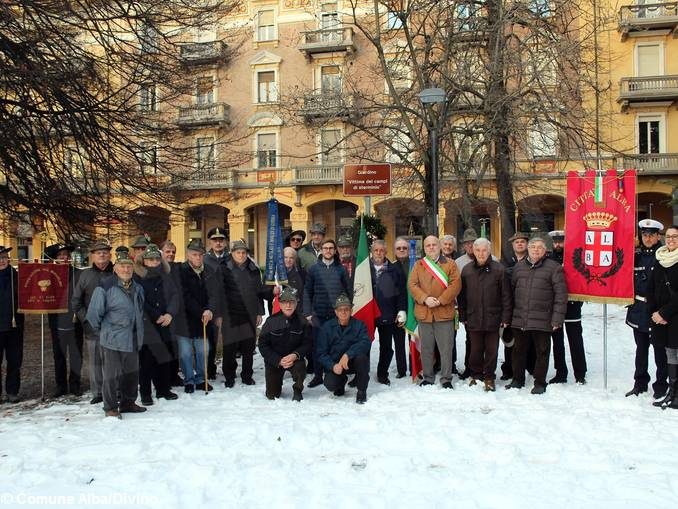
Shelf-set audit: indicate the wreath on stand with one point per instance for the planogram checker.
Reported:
(583, 269)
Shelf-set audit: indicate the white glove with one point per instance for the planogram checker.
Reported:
(402, 317)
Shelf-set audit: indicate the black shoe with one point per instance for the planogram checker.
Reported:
(659, 393)
(317, 380)
(448, 385)
(75, 390)
(201, 387)
(538, 389)
(248, 381)
(297, 396)
(229, 383)
(177, 381)
(401, 375)
(146, 400)
(189, 388)
(581, 381)
(514, 385)
(361, 397)
(60, 391)
(465, 374)
(169, 395)
(636, 391)
(506, 377)
(558, 379)
(96, 400)
(383, 381)
(13, 398)
(340, 391)
(130, 407)
(425, 383)
(353, 382)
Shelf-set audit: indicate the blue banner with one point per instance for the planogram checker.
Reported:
(413, 253)
(275, 267)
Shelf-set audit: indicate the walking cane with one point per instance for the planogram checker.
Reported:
(204, 350)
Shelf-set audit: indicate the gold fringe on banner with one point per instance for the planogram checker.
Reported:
(621, 301)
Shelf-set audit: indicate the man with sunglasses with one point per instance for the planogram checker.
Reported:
(296, 239)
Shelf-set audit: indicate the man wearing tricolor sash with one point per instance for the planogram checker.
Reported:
(434, 284)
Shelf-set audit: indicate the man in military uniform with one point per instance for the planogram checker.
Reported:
(638, 317)
(217, 257)
(139, 246)
(309, 252)
(572, 328)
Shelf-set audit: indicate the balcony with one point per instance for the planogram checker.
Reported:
(319, 175)
(201, 115)
(327, 40)
(647, 19)
(661, 89)
(210, 178)
(650, 164)
(203, 53)
(325, 105)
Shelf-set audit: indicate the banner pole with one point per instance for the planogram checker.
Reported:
(605, 345)
(42, 356)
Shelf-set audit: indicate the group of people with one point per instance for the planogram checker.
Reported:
(149, 322)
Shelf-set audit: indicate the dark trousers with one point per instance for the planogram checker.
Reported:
(641, 375)
(507, 365)
(542, 346)
(313, 365)
(274, 378)
(359, 365)
(386, 335)
(212, 340)
(577, 353)
(67, 351)
(154, 366)
(174, 362)
(399, 339)
(121, 376)
(12, 348)
(484, 349)
(230, 364)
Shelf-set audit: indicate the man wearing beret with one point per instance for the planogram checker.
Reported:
(344, 348)
(11, 326)
(284, 341)
(638, 316)
(66, 330)
(309, 253)
(573, 329)
(89, 279)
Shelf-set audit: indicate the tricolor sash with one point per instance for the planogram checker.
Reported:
(435, 270)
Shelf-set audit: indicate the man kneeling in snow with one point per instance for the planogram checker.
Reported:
(343, 348)
(284, 341)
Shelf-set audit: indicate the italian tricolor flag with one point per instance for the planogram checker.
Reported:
(364, 306)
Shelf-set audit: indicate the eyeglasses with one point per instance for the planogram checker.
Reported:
(296, 239)
(671, 237)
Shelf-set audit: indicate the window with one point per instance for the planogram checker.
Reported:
(649, 60)
(204, 156)
(266, 150)
(398, 146)
(470, 150)
(394, 20)
(330, 149)
(540, 7)
(467, 14)
(650, 134)
(149, 38)
(148, 99)
(400, 71)
(74, 162)
(148, 157)
(330, 80)
(542, 68)
(267, 90)
(205, 91)
(543, 138)
(266, 26)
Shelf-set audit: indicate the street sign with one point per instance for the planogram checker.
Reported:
(367, 179)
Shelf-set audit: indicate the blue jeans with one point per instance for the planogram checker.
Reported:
(186, 348)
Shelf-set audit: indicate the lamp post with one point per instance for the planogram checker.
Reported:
(431, 96)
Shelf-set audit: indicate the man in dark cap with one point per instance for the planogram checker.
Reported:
(138, 246)
(217, 257)
(296, 239)
(11, 326)
(638, 316)
(121, 249)
(344, 348)
(347, 258)
(100, 253)
(217, 254)
(66, 330)
(309, 253)
(572, 327)
(284, 341)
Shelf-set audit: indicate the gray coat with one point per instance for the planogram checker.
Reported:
(539, 295)
(116, 316)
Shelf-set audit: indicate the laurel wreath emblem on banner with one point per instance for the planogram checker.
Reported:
(582, 268)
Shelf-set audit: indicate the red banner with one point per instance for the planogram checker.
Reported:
(43, 288)
(600, 225)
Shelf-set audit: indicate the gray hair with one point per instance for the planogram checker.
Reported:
(287, 250)
(482, 241)
(534, 240)
(449, 237)
(378, 242)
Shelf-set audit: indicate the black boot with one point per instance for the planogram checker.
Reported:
(671, 399)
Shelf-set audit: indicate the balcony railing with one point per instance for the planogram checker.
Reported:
(323, 174)
(650, 163)
(648, 88)
(198, 53)
(326, 104)
(199, 115)
(648, 17)
(327, 40)
(208, 178)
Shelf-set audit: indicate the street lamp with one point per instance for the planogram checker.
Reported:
(433, 96)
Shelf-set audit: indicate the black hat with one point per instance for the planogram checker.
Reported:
(288, 294)
(53, 250)
(100, 245)
(4, 249)
(301, 233)
(342, 300)
(519, 235)
(196, 245)
(216, 233)
(120, 249)
(141, 241)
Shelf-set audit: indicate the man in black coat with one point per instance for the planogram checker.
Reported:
(217, 258)
(66, 331)
(402, 262)
(178, 325)
(284, 341)
(638, 315)
(11, 326)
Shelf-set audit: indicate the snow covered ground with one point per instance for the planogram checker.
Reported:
(574, 447)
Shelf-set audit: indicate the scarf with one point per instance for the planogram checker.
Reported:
(666, 258)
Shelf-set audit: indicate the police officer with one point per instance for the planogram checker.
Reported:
(637, 316)
(572, 327)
